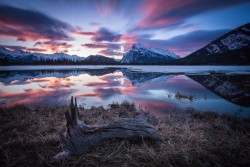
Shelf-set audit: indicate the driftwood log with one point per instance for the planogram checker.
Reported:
(82, 137)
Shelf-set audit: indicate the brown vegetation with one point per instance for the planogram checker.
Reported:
(30, 137)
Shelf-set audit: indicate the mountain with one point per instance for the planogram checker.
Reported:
(140, 78)
(99, 59)
(232, 48)
(233, 88)
(101, 72)
(136, 78)
(142, 55)
(21, 77)
(21, 57)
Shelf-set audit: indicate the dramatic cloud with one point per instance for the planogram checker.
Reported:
(111, 7)
(24, 24)
(102, 45)
(108, 52)
(102, 34)
(111, 27)
(87, 34)
(95, 45)
(22, 48)
(35, 50)
(105, 8)
(162, 13)
(103, 39)
(13, 47)
(108, 49)
(54, 46)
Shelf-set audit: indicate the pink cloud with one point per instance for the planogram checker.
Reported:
(154, 10)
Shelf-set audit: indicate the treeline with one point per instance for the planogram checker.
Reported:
(5, 61)
(61, 62)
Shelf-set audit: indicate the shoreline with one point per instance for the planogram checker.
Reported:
(189, 69)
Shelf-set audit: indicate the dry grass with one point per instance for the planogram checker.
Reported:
(30, 137)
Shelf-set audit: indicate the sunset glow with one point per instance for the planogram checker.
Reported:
(110, 27)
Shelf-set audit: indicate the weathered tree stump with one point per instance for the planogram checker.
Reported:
(82, 137)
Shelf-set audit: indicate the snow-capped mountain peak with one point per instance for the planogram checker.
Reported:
(4, 50)
(137, 46)
(164, 52)
(140, 54)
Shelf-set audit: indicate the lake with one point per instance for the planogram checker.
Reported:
(157, 89)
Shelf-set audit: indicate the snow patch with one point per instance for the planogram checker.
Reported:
(245, 29)
(229, 89)
(143, 81)
(164, 52)
(236, 41)
(213, 48)
(210, 82)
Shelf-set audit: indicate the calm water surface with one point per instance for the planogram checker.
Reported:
(159, 92)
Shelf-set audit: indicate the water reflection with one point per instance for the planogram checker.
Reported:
(156, 92)
(234, 88)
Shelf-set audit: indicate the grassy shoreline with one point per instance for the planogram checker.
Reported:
(31, 136)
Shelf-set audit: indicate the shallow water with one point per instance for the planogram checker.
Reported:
(158, 89)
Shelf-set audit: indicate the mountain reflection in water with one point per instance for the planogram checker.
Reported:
(154, 91)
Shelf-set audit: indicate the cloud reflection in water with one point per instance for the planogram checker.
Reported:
(152, 91)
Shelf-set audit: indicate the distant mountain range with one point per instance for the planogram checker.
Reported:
(137, 55)
(20, 57)
(233, 48)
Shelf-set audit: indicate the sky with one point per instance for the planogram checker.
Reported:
(111, 27)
